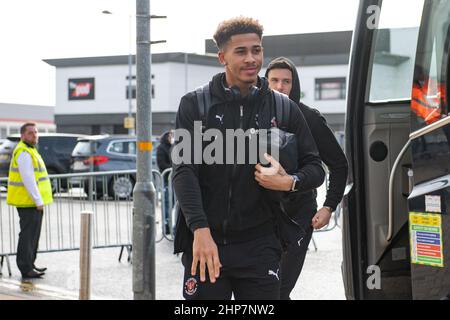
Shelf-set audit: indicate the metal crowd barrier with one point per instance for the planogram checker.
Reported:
(107, 194)
(167, 187)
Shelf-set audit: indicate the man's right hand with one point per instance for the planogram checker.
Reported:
(40, 208)
(205, 251)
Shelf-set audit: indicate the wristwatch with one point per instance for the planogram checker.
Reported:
(295, 183)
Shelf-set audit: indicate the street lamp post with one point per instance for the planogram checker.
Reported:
(131, 128)
(130, 123)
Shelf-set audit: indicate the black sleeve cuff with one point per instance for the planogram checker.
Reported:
(330, 203)
(197, 225)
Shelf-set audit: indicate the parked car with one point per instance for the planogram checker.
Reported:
(55, 149)
(6, 149)
(108, 153)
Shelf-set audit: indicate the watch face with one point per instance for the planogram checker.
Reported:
(297, 181)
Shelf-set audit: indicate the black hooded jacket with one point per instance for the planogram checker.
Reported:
(329, 149)
(226, 197)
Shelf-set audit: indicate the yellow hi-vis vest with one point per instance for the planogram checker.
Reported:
(18, 195)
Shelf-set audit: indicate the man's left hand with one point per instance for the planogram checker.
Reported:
(273, 177)
(321, 218)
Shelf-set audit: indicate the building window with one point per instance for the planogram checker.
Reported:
(133, 92)
(134, 77)
(95, 129)
(119, 129)
(3, 133)
(330, 89)
(133, 88)
(13, 130)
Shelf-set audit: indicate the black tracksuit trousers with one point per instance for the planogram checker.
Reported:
(250, 271)
(292, 263)
(295, 235)
(30, 231)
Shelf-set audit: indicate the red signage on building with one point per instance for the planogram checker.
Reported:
(82, 89)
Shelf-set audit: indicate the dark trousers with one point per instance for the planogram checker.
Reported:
(250, 271)
(292, 263)
(167, 211)
(30, 231)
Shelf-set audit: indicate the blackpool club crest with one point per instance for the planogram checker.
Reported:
(190, 286)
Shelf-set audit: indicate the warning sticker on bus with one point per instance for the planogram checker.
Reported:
(425, 231)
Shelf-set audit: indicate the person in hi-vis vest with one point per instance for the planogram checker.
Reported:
(29, 190)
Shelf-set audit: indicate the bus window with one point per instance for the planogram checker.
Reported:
(430, 76)
(426, 92)
(395, 44)
(429, 93)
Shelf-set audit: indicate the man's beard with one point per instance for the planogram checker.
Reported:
(32, 142)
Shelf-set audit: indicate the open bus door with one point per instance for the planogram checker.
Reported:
(429, 201)
(396, 242)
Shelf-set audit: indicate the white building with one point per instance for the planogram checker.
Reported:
(91, 93)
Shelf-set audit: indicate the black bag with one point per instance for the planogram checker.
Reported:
(277, 136)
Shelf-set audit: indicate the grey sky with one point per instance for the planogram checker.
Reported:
(33, 30)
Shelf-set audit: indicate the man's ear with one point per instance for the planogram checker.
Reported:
(221, 56)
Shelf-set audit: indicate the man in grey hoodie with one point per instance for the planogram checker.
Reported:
(283, 77)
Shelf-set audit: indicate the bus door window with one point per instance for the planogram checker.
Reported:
(395, 43)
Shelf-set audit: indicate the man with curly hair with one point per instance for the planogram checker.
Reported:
(225, 225)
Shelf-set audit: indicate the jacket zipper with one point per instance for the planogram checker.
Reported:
(230, 188)
(241, 118)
